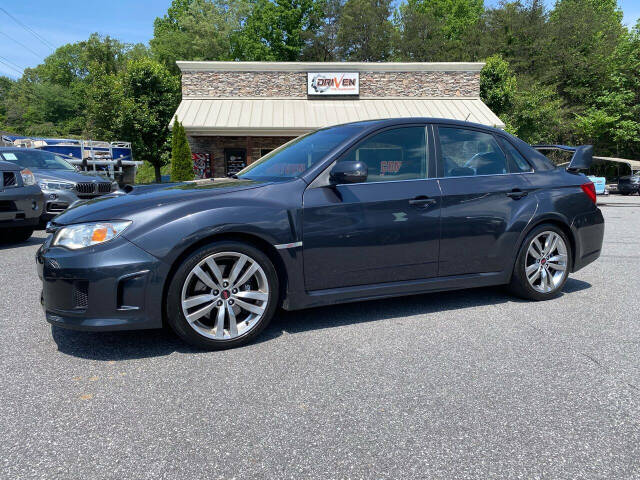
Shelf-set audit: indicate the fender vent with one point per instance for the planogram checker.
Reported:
(80, 294)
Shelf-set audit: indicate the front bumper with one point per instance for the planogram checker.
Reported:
(114, 286)
(57, 201)
(21, 207)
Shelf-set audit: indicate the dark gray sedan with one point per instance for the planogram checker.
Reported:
(348, 213)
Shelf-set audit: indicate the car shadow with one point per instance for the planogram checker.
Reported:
(31, 241)
(128, 345)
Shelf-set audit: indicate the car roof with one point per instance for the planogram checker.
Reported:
(388, 122)
(19, 149)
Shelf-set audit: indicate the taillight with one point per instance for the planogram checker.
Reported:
(590, 190)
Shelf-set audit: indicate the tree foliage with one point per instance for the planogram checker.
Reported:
(181, 163)
(498, 85)
(196, 30)
(365, 32)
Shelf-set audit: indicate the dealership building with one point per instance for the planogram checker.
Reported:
(235, 112)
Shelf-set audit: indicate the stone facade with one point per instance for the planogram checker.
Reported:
(217, 83)
(216, 145)
(294, 84)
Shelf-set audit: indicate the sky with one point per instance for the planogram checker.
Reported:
(59, 22)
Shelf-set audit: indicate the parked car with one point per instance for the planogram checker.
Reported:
(20, 203)
(349, 213)
(60, 182)
(600, 184)
(628, 185)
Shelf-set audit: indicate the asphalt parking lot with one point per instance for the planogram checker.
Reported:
(469, 384)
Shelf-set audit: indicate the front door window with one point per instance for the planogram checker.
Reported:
(396, 154)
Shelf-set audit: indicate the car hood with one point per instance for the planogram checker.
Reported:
(68, 175)
(147, 197)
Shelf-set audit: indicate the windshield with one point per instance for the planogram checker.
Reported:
(294, 158)
(37, 160)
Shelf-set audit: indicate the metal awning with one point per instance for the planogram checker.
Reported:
(295, 116)
(634, 165)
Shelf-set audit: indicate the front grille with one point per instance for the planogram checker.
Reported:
(104, 187)
(85, 187)
(7, 206)
(9, 179)
(80, 294)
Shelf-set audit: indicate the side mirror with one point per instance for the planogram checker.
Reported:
(348, 172)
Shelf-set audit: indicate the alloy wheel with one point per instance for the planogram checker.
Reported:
(546, 262)
(225, 295)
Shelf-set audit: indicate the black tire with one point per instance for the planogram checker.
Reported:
(18, 235)
(175, 315)
(520, 285)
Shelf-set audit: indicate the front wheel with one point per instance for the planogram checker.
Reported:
(222, 296)
(543, 263)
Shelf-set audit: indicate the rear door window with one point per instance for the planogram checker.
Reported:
(517, 163)
(467, 153)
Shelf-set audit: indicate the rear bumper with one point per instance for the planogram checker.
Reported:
(115, 286)
(628, 188)
(588, 232)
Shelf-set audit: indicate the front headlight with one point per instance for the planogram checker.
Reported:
(87, 234)
(27, 177)
(44, 185)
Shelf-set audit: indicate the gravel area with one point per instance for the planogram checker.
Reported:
(467, 384)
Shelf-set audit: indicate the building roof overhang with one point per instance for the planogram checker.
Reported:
(296, 116)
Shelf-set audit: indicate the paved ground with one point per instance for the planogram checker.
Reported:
(471, 384)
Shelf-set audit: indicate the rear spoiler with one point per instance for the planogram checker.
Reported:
(582, 155)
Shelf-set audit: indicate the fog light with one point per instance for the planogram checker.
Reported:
(34, 205)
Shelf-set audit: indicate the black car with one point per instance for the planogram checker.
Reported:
(20, 203)
(628, 185)
(354, 212)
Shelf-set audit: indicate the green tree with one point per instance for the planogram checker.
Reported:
(612, 122)
(52, 98)
(148, 95)
(365, 32)
(497, 85)
(537, 116)
(518, 31)
(321, 43)
(181, 163)
(584, 35)
(435, 30)
(196, 30)
(5, 86)
(275, 30)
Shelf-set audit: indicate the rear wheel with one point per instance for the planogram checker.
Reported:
(543, 263)
(222, 296)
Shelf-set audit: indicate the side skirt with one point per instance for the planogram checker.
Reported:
(378, 291)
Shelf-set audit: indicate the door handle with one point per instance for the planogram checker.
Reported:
(422, 201)
(516, 193)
